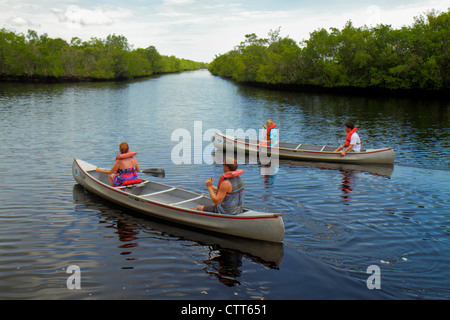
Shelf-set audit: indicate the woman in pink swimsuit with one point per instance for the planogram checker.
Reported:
(124, 169)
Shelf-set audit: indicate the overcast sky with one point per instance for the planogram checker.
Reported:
(200, 29)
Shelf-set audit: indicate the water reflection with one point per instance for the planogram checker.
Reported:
(127, 233)
(384, 170)
(268, 172)
(225, 252)
(225, 266)
(350, 172)
(348, 180)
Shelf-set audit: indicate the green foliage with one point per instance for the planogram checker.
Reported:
(415, 57)
(106, 59)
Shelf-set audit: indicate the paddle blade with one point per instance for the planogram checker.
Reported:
(155, 172)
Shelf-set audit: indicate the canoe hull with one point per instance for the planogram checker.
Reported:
(250, 224)
(305, 152)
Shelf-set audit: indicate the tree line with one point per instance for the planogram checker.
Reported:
(39, 56)
(413, 57)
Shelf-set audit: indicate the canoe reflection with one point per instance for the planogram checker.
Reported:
(349, 172)
(384, 170)
(225, 266)
(225, 252)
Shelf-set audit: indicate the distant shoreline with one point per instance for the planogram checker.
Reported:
(346, 90)
(343, 90)
(72, 79)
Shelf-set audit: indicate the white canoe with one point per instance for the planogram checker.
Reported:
(174, 204)
(306, 152)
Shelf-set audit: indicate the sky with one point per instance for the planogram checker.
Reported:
(201, 29)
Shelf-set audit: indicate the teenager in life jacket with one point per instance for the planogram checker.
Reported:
(352, 141)
(228, 196)
(271, 136)
(125, 169)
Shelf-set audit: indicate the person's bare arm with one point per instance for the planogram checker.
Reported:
(346, 150)
(114, 169)
(218, 197)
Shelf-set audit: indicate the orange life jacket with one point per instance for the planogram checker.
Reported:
(125, 155)
(349, 135)
(266, 143)
(229, 175)
(268, 131)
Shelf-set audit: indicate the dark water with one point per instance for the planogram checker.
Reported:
(339, 221)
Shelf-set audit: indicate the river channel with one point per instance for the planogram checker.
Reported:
(340, 222)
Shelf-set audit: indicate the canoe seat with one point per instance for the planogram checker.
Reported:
(158, 192)
(131, 183)
(187, 200)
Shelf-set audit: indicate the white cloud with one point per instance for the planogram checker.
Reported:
(173, 14)
(76, 17)
(176, 2)
(21, 22)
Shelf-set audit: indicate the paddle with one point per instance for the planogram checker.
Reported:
(155, 172)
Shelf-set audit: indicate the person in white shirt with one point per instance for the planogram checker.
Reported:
(352, 142)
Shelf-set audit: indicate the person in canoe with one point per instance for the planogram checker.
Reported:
(352, 141)
(125, 169)
(271, 136)
(228, 196)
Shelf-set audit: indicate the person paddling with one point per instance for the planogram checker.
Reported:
(352, 141)
(125, 169)
(228, 196)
